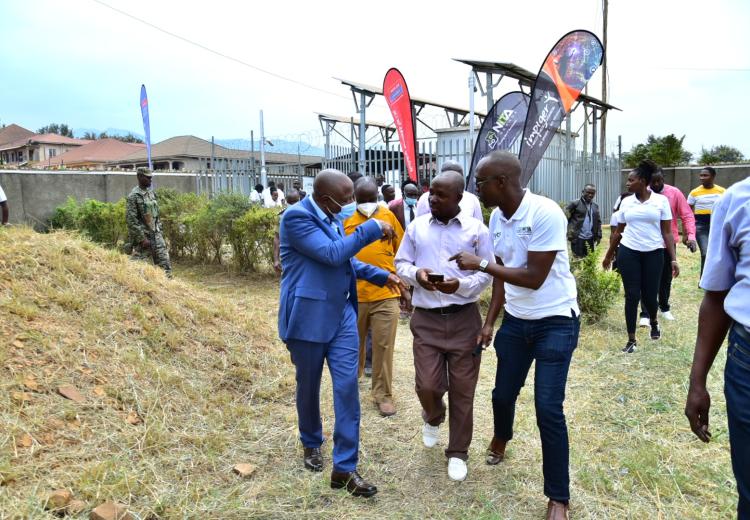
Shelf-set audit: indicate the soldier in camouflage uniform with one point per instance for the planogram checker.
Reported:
(144, 227)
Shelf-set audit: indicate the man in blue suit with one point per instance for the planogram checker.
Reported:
(318, 316)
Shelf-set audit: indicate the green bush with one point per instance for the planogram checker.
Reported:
(252, 238)
(212, 224)
(194, 227)
(103, 222)
(66, 216)
(596, 288)
(175, 212)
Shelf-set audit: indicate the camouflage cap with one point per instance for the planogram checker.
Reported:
(144, 171)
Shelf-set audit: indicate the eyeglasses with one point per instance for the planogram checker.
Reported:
(479, 182)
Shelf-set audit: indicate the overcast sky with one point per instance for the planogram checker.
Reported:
(675, 66)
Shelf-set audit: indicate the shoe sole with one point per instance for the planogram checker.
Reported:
(314, 469)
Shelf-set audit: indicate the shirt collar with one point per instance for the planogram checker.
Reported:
(522, 209)
(321, 214)
(461, 218)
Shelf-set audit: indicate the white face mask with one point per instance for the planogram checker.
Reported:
(367, 208)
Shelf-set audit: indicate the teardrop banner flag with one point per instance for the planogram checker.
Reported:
(565, 71)
(396, 94)
(500, 129)
(146, 125)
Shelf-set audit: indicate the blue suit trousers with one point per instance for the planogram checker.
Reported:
(342, 355)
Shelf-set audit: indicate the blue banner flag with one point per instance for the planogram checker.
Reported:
(146, 125)
(500, 129)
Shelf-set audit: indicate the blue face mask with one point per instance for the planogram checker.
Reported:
(410, 201)
(347, 210)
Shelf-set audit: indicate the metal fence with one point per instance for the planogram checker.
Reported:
(241, 175)
(561, 174)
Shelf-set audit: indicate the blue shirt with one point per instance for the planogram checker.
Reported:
(727, 265)
(324, 217)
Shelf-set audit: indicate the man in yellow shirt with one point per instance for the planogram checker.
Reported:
(378, 307)
(701, 201)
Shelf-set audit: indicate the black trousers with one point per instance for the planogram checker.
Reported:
(665, 286)
(641, 274)
(582, 246)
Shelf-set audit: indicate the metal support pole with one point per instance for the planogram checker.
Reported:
(263, 176)
(603, 139)
(362, 131)
(213, 167)
(471, 116)
(490, 88)
(252, 159)
(328, 146)
(351, 142)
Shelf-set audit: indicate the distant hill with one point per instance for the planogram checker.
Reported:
(279, 146)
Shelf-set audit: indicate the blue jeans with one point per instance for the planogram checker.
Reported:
(702, 230)
(737, 392)
(551, 342)
(342, 355)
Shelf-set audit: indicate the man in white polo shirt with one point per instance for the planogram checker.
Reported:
(541, 320)
(4, 207)
(726, 279)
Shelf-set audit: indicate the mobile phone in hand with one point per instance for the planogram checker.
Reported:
(435, 277)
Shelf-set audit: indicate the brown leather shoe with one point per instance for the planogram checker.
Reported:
(496, 451)
(313, 459)
(557, 510)
(353, 483)
(386, 409)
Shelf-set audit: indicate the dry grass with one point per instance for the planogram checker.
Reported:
(198, 360)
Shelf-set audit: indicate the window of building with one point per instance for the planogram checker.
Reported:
(51, 152)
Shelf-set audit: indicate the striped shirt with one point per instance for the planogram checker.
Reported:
(702, 200)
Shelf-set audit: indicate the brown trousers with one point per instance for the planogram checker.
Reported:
(380, 317)
(443, 362)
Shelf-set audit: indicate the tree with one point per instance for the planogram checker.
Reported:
(664, 151)
(721, 154)
(54, 128)
(130, 138)
(90, 136)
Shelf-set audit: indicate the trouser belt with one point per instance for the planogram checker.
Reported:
(450, 309)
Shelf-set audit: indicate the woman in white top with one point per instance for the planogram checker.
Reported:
(644, 226)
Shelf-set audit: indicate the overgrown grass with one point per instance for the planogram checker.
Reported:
(197, 359)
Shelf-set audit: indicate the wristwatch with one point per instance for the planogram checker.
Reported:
(483, 264)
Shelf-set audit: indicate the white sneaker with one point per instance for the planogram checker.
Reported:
(430, 435)
(668, 316)
(457, 469)
(645, 322)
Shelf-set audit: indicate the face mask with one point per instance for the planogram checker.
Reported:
(346, 211)
(367, 208)
(410, 201)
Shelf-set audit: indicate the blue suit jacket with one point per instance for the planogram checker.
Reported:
(320, 272)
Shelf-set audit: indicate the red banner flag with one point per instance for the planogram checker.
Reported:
(396, 94)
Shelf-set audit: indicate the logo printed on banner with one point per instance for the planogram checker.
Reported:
(562, 76)
(501, 128)
(396, 93)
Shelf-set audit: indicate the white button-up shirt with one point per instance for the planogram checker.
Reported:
(428, 243)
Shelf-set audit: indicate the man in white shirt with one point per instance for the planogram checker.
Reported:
(4, 207)
(469, 202)
(541, 320)
(446, 319)
(726, 280)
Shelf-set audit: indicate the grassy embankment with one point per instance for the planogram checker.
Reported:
(195, 364)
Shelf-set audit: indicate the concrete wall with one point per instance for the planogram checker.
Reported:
(34, 195)
(685, 178)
